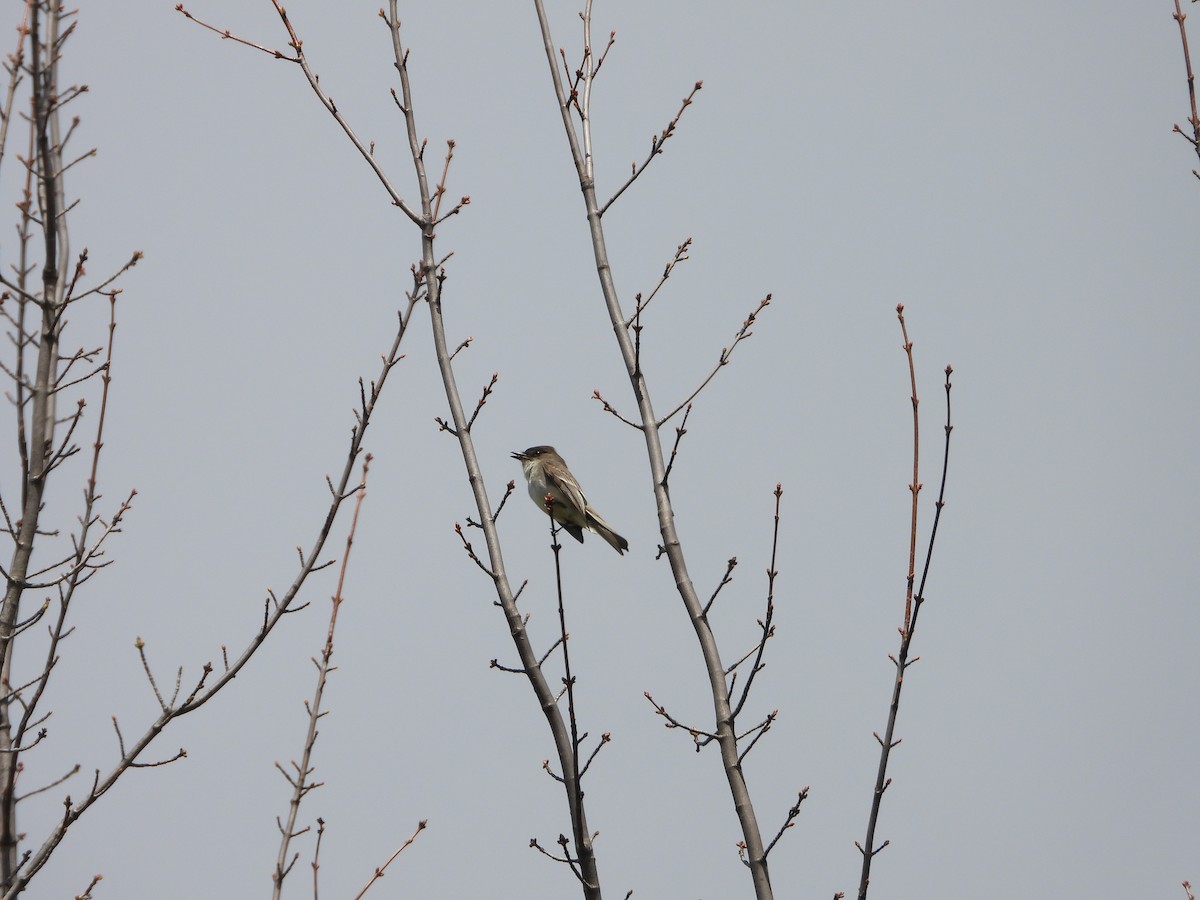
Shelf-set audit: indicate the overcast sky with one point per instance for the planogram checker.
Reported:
(1007, 171)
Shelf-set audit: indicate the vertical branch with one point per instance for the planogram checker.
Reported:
(902, 663)
(723, 714)
(914, 486)
(83, 563)
(585, 108)
(48, 164)
(433, 280)
(1179, 16)
(22, 337)
(568, 678)
(301, 784)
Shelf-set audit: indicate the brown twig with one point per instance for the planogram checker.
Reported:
(635, 321)
(914, 486)
(314, 82)
(440, 191)
(725, 579)
(1179, 15)
(672, 722)
(901, 662)
(15, 66)
(680, 256)
(726, 352)
(758, 731)
(227, 35)
(765, 625)
(87, 893)
(316, 860)
(791, 818)
(656, 146)
(680, 431)
(483, 398)
(604, 739)
(378, 873)
(611, 410)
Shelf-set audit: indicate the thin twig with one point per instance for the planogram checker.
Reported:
(604, 739)
(758, 731)
(483, 398)
(791, 817)
(680, 431)
(726, 352)
(672, 722)
(316, 860)
(314, 82)
(609, 408)
(225, 34)
(1194, 120)
(301, 785)
(656, 146)
(378, 873)
(767, 630)
(680, 256)
(914, 486)
(902, 663)
(572, 778)
(725, 579)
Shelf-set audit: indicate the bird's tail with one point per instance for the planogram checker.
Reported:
(600, 527)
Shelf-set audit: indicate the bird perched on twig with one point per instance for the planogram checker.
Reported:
(548, 476)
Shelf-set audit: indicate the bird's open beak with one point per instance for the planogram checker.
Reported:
(520, 456)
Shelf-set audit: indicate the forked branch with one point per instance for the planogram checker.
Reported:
(914, 599)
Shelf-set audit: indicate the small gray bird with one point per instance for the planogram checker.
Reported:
(548, 475)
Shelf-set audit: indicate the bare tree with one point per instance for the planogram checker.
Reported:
(429, 278)
(54, 384)
(45, 281)
(573, 89)
(45, 379)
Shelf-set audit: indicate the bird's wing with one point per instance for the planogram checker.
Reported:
(570, 491)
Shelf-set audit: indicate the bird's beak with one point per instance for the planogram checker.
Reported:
(520, 456)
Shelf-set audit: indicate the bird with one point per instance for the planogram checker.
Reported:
(548, 476)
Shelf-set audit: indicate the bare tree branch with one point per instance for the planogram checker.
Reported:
(913, 600)
(301, 785)
(1194, 120)
(580, 143)
(379, 872)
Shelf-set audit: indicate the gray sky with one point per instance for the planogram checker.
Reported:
(1006, 171)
